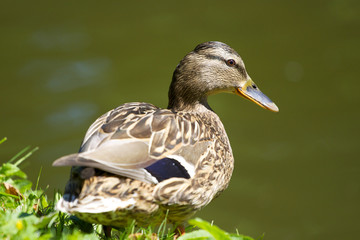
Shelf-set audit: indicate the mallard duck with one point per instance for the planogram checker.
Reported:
(142, 162)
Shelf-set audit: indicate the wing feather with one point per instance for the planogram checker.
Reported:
(133, 136)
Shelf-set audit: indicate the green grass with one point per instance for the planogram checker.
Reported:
(27, 213)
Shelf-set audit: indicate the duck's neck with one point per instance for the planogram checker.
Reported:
(179, 102)
(184, 92)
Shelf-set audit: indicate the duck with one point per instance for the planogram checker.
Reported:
(144, 163)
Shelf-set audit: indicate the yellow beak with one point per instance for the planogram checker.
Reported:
(250, 91)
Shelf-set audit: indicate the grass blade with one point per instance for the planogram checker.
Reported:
(18, 162)
(18, 154)
(38, 179)
(3, 140)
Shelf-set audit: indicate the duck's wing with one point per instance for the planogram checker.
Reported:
(140, 141)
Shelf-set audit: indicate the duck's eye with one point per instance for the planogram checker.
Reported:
(231, 62)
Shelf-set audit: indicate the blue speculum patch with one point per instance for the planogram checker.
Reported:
(167, 168)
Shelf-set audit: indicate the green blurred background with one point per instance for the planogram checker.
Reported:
(297, 173)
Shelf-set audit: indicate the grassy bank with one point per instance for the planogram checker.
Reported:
(27, 213)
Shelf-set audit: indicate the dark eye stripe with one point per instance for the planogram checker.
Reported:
(241, 70)
(237, 66)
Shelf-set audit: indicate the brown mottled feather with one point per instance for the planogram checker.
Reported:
(171, 192)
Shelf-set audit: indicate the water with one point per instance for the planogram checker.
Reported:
(297, 172)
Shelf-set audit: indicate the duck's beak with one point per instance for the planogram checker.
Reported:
(250, 91)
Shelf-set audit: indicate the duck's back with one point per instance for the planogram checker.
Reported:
(138, 161)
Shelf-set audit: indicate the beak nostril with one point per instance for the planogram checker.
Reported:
(254, 86)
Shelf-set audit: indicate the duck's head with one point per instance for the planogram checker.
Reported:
(213, 67)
